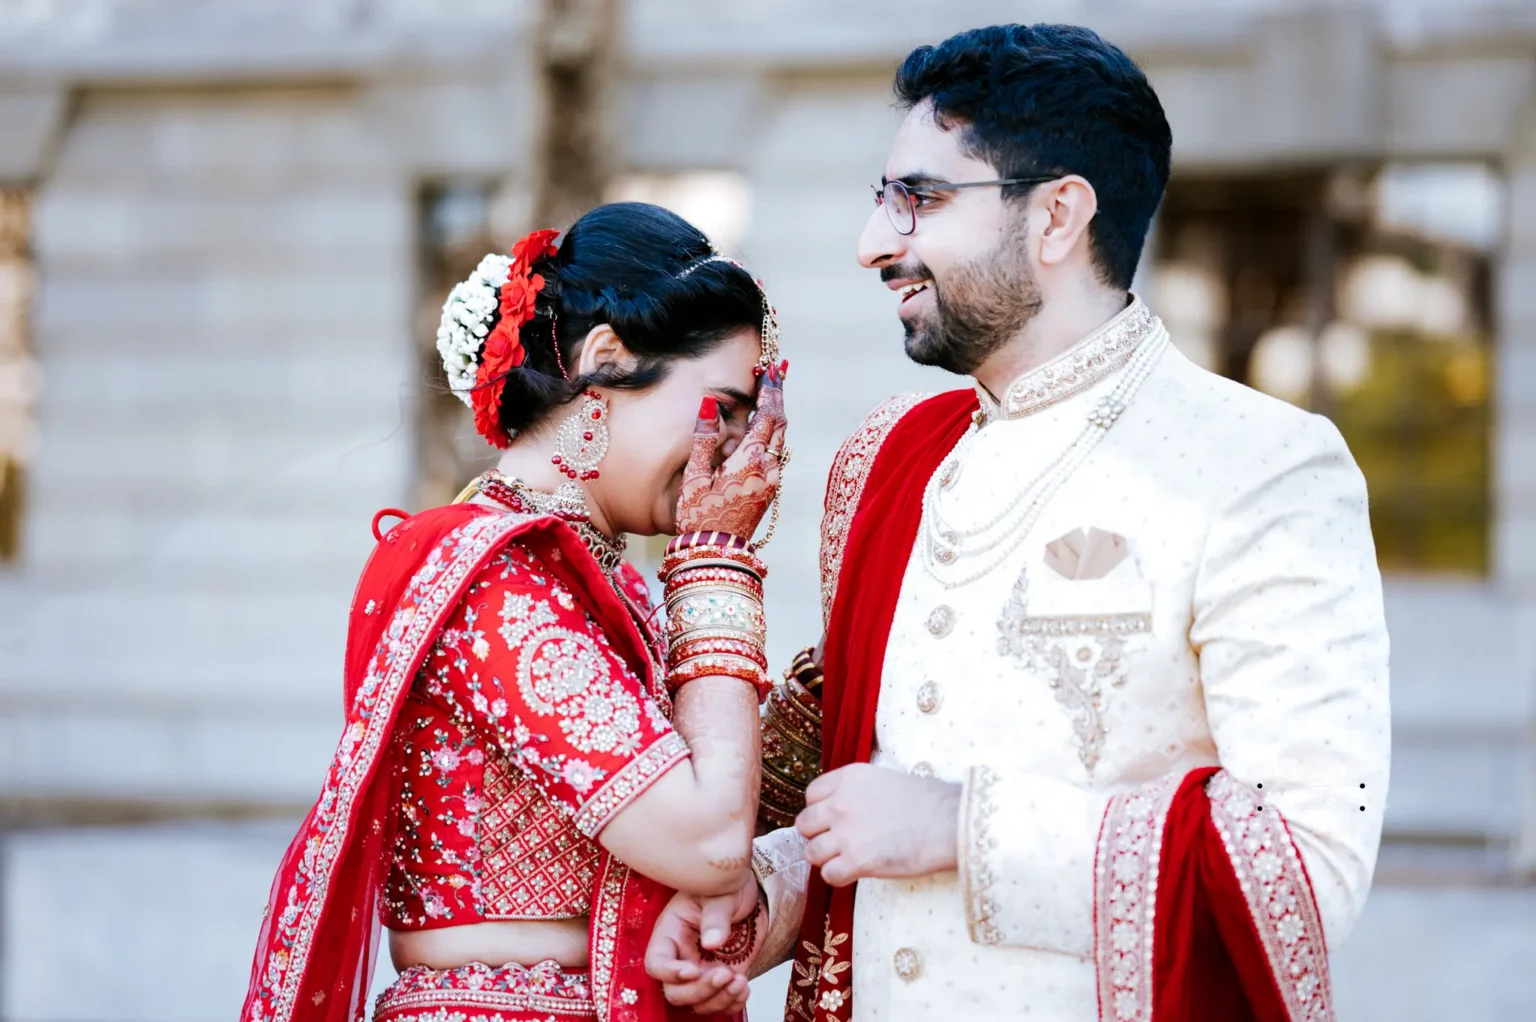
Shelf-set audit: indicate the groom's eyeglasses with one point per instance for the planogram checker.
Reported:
(900, 200)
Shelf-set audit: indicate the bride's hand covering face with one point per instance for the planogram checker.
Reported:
(733, 497)
(672, 468)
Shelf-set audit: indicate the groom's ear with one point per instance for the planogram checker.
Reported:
(1069, 205)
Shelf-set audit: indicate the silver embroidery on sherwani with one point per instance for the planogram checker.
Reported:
(1081, 655)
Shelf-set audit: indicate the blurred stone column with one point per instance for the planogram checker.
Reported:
(18, 369)
(30, 115)
(1515, 438)
(575, 49)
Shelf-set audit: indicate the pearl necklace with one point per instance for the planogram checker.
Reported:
(945, 545)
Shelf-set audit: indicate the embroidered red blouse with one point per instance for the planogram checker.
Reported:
(523, 735)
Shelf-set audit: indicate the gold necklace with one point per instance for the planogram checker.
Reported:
(568, 503)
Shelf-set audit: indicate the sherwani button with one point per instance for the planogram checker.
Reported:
(909, 965)
(941, 622)
(928, 697)
(950, 473)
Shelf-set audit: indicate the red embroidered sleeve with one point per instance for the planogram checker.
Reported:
(523, 663)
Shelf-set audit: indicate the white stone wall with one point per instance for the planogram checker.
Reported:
(222, 328)
(225, 237)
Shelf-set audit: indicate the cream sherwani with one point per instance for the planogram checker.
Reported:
(1243, 627)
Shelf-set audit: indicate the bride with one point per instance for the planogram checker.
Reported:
(531, 764)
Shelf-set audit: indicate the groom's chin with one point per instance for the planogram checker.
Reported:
(924, 345)
(927, 348)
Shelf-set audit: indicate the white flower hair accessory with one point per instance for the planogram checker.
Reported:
(468, 315)
(478, 336)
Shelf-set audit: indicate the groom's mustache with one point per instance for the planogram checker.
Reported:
(914, 271)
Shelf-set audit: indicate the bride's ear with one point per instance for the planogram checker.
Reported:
(602, 347)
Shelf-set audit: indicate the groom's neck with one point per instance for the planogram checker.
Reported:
(1063, 320)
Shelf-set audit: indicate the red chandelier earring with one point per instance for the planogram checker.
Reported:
(582, 439)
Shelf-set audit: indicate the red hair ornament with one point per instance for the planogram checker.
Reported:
(504, 349)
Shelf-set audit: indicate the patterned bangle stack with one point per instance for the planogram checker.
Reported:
(714, 600)
(791, 743)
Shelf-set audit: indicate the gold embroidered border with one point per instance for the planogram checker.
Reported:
(1125, 898)
(605, 933)
(1092, 359)
(845, 486)
(412, 628)
(1274, 883)
(1086, 624)
(436, 1005)
(976, 844)
(629, 782)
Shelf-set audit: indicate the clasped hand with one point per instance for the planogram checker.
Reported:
(860, 821)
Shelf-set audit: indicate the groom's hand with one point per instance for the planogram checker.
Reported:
(867, 821)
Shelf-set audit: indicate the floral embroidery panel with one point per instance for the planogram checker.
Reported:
(1082, 656)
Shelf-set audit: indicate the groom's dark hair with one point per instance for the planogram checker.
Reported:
(1054, 99)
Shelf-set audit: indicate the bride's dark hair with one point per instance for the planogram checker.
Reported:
(623, 264)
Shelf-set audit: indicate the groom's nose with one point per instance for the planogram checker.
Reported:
(880, 245)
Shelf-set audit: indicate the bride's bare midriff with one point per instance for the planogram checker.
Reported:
(494, 944)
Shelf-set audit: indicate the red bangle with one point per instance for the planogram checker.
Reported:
(805, 670)
(685, 650)
(685, 579)
(689, 540)
(713, 556)
(721, 667)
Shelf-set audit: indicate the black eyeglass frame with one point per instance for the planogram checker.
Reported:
(902, 188)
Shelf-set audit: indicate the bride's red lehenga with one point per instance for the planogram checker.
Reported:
(504, 702)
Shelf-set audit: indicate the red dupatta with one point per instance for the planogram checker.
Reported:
(1231, 930)
(874, 560)
(319, 937)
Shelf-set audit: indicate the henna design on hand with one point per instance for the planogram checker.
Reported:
(735, 497)
(740, 946)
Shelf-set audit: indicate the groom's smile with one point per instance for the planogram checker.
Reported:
(917, 296)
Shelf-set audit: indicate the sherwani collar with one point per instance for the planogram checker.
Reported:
(1095, 357)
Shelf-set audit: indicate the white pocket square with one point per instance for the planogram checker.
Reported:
(1086, 555)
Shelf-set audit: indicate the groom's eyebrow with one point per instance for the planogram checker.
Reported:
(917, 179)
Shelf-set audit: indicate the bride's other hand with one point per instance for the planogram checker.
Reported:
(734, 497)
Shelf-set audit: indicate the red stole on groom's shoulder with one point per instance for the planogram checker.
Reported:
(1212, 954)
(875, 556)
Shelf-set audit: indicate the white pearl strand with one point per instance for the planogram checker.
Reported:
(939, 538)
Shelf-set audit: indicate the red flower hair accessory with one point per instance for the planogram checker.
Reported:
(476, 356)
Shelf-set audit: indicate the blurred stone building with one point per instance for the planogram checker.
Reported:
(224, 230)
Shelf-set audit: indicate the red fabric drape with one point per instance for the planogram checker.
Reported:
(874, 561)
(315, 954)
(1209, 964)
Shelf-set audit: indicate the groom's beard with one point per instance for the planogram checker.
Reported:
(980, 306)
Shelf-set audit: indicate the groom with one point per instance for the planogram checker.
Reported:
(1104, 726)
